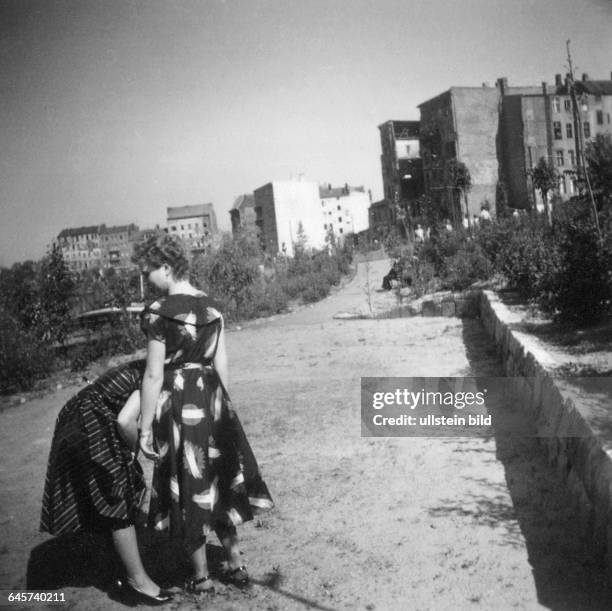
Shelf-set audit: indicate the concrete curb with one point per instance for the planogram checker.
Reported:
(579, 454)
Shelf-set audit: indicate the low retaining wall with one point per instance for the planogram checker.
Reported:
(562, 422)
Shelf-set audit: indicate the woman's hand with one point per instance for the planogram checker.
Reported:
(145, 440)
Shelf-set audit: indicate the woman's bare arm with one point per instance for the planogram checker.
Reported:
(151, 387)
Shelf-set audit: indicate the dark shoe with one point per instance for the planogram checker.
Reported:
(134, 596)
(205, 585)
(237, 577)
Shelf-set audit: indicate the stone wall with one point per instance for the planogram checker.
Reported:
(564, 423)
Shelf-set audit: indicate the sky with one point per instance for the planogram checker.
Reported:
(112, 110)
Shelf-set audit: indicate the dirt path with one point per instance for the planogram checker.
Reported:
(360, 523)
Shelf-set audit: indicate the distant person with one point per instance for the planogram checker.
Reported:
(485, 215)
(447, 225)
(392, 276)
(419, 234)
(475, 221)
(466, 222)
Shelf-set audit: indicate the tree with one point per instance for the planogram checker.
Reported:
(56, 287)
(460, 180)
(19, 292)
(598, 155)
(301, 241)
(545, 179)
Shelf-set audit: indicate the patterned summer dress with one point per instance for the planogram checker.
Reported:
(92, 483)
(206, 476)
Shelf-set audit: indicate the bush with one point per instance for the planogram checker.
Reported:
(440, 247)
(23, 359)
(122, 338)
(581, 288)
(466, 266)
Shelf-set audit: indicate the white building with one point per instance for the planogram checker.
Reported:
(345, 210)
(280, 208)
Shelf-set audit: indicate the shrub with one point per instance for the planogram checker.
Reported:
(439, 247)
(581, 288)
(122, 338)
(23, 359)
(466, 266)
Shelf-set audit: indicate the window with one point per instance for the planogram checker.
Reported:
(560, 160)
(556, 103)
(587, 129)
(568, 130)
(562, 185)
(339, 208)
(339, 219)
(557, 130)
(341, 230)
(173, 228)
(182, 227)
(600, 117)
(325, 226)
(572, 157)
(567, 104)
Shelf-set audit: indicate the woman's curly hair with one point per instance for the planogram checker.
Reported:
(161, 249)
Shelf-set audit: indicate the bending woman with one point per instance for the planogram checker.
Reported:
(206, 476)
(93, 482)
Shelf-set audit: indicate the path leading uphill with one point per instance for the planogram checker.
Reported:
(359, 523)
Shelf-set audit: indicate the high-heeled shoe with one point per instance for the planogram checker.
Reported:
(205, 585)
(135, 596)
(238, 577)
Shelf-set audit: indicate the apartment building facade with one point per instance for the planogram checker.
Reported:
(195, 225)
(81, 247)
(282, 208)
(345, 210)
(242, 213)
(400, 160)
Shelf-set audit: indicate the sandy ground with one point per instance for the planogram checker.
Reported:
(359, 523)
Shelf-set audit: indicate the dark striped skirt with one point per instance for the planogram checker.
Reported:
(92, 483)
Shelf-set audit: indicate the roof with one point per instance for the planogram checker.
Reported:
(329, 192)
(119, 228)
(244, 201)
(594, 87)
(77, 231)
(183, 212)
(404, 129)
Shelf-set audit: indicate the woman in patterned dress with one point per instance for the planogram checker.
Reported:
(93, 482)
(206, 476)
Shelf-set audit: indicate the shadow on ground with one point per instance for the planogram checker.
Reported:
(566, 574)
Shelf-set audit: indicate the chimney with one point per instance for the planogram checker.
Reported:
(585, 77)
(502, 84)
(544, 88)
(558, 81)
